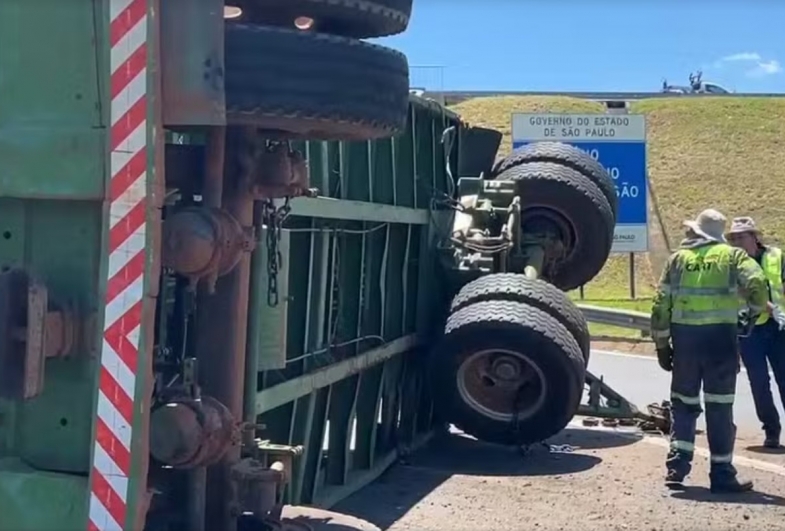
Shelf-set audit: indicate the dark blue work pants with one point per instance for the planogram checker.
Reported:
(763, 347)
(703, 356)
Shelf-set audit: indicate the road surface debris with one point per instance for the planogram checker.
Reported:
(610, 479)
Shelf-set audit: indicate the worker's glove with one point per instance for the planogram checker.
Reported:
(779, 317)
(665, 357)
(745, 323)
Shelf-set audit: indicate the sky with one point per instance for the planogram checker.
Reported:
(594, 45)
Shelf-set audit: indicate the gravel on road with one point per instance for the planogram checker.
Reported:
(588, 479)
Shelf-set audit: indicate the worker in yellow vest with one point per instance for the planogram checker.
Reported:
(765, 344)
(694, 327)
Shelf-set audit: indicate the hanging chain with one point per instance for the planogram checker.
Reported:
(273, 218)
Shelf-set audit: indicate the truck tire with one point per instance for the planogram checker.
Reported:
(359, 19)
(532, 292)
(559, 199)
(309, 85)
(478, 147)
(567, 155)
(495, 353)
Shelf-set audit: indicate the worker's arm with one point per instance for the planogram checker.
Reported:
(661, 308)
(751, 282)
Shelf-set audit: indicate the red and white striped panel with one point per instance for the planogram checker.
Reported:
(111, 465)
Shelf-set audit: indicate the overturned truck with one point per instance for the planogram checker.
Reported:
(225, 307)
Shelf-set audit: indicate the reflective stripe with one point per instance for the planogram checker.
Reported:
(660, 334)
(727, 290)
(725, 458)
(682, 446)
(699, 315)
(719, 399)
(691, 400)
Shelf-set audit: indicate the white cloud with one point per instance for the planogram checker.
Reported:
(743, 56)
(765, 68)
(758, 66)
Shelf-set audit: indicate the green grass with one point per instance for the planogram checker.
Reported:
(724, 153)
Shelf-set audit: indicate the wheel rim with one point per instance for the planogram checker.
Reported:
(492, 381)
(553, 225)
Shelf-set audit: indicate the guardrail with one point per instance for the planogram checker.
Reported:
(621, 318)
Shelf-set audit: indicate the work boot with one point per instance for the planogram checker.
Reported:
(674, 479)
(772, 441)
(731, 485)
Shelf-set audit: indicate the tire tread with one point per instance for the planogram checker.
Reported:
(566, 155)
(536, 293)
(325, 87)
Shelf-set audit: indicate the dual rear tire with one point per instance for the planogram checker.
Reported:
(511, 366)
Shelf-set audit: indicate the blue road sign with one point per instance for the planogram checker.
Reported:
(618, 142)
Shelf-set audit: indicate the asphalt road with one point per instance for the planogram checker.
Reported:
(640, 380)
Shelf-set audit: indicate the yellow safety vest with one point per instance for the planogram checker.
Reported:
(771, 262)
(703, 284)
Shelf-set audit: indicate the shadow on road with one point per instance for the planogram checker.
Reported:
(703, 494)
(596, 439)
(763, 450)
(407, 483)
(459, 454)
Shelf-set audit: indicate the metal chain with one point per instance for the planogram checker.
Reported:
(273, 219)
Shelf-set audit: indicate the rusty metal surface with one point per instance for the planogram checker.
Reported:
(257, 486)
(187, 433)
(192, 60)
(191, 246)
(269, 171)
(272, 169)
(175, 434)
(222, 324)
(32, 329)
(215, 163)
(500, 384)
(64, 331)
(202, 243)
(35, 333)
(222, 434)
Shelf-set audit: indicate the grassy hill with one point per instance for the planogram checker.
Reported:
(725, 153)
